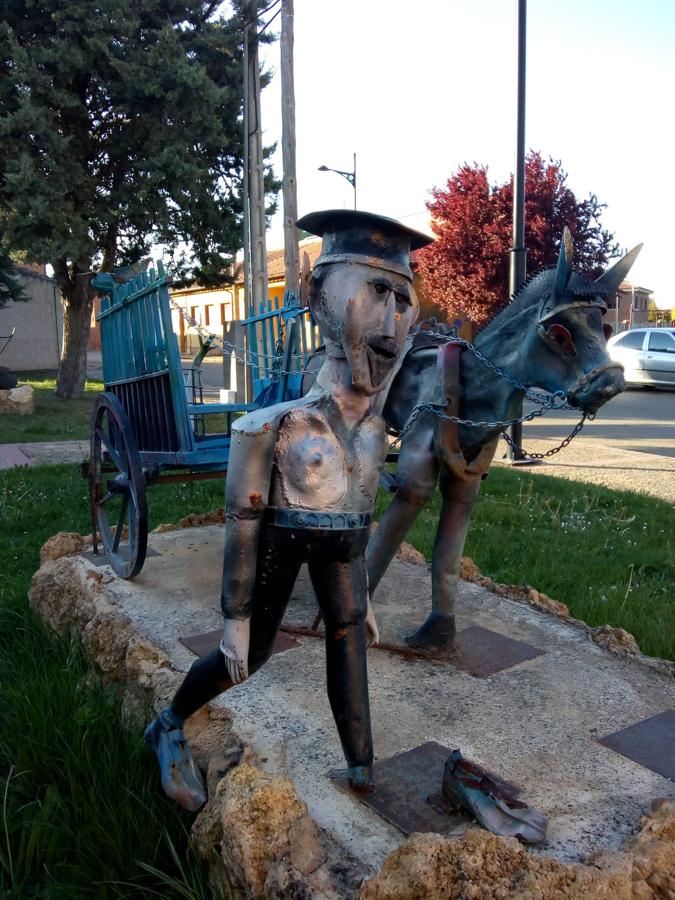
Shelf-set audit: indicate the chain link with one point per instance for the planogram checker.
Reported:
(272, 361)
(570, 437)
(544, 404)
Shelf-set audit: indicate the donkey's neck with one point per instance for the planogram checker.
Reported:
(487, 396)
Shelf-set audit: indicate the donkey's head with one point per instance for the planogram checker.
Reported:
(570, 347)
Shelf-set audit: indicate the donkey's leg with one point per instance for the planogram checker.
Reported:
(416, 476)
(458, 498)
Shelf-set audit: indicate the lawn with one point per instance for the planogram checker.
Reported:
(83, 812)
(54, 419)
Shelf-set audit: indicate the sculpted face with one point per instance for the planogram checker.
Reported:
(365, 314)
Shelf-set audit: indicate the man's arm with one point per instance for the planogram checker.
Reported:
(246, 497)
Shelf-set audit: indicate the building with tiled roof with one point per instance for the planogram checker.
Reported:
(214, 308)
(629, 308)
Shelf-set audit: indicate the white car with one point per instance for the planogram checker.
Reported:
(647, 355)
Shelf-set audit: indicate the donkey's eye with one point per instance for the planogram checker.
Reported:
(380, 288)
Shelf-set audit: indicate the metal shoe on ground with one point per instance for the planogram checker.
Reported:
(471, 788)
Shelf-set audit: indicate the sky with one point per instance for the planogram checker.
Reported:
(415, 89)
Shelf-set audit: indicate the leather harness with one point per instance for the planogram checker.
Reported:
(446, 436)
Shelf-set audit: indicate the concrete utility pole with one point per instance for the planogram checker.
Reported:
(257, 291)
(518, 262)
(289, 184)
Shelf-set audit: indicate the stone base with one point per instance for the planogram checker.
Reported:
(18, 400)
(280, 827)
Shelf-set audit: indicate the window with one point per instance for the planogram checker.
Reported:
(207, 315)
(633, 340)
(662, 341)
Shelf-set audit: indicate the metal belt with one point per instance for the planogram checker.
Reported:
(307, 518)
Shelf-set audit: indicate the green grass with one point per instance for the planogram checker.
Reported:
(54, 419)
(609, 555)
(83, 814)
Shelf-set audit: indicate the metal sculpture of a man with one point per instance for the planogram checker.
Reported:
(301, 487)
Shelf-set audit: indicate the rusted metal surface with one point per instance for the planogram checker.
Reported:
(651, 743)
(477, 650)
(201, 644)
(482, 652)
(408, 791)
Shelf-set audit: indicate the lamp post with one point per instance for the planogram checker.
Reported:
(518, 261)
(350, 176)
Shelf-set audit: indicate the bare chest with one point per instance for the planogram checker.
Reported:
(323, 465)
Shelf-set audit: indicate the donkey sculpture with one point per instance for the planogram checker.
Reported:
(549, 336)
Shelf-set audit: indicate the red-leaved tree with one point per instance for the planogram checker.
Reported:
(466, 270)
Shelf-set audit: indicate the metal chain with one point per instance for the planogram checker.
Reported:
(570, 437)
(533, 396)
(437, 410)
(226, 346)
(545, 404)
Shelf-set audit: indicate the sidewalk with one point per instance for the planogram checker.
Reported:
(587, 460)
(583, 460)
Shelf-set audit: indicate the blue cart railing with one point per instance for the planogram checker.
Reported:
(149, 424)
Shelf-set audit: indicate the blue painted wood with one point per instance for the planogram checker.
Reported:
(142, 367)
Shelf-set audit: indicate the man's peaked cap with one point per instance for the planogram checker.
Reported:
(363, 237)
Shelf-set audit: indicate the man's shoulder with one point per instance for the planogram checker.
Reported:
(269, 418)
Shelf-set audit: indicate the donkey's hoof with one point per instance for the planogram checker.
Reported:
(437, 635)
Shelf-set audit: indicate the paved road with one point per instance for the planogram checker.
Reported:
(635, 420)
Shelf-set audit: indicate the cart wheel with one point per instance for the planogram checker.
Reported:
(117, 481)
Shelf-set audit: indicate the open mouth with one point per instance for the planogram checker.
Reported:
(383, 349)
(381, 357)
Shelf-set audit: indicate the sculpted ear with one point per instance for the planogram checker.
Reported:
(609, 281)
(416, 305)
(563, 271)
(560, 335)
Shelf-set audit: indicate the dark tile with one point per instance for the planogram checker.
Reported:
(651, 743)
(482, 652)
(404, 786)
(201, 644)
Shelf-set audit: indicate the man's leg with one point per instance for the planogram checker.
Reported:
(208, 676)
(341, 589)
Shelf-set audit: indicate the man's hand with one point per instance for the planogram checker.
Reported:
(234, 647)
(371, 626)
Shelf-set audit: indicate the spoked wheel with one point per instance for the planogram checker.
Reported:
(118, 495)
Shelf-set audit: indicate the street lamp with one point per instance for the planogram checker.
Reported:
(350, 176)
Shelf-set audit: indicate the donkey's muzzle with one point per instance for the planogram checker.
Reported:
(597, 387)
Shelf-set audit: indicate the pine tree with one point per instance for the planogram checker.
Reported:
(120, 129)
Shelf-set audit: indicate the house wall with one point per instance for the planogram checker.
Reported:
(620, 316)
(39, 326)
(212, 309)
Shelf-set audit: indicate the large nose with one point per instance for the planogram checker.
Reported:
(389, 324)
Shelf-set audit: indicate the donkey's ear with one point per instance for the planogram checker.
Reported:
(609, 281)
(563, 271)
